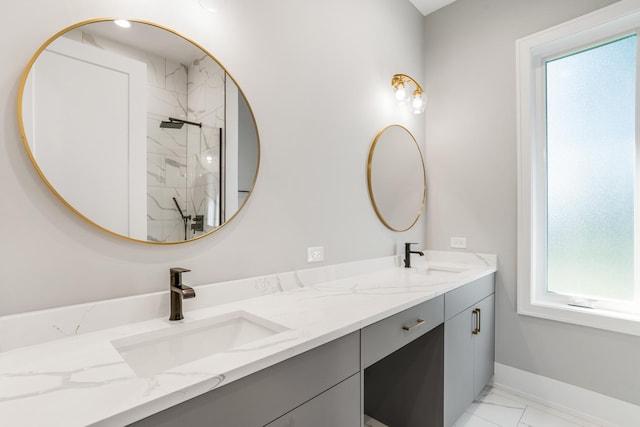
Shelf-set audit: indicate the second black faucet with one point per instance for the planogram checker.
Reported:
(408, 252)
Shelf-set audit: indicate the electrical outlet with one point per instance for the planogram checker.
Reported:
(315, 254)
(459, 242)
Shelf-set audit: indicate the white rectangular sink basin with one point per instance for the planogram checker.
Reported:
(440, 270)
(182, 342)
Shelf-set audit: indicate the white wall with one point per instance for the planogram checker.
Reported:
(317, 74)
(471, 167)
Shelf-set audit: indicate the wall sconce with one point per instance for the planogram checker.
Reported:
(416, 99)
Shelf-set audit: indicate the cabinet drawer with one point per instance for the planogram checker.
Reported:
(386, 336)
(465, 296)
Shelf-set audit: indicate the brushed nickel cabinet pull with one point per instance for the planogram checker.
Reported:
(479, 319)
(418, 323)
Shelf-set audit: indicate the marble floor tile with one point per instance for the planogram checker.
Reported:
(469, 420)
(534, 417)
(495, 407)
(532, 406)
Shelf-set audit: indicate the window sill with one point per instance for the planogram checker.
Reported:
(625, 323)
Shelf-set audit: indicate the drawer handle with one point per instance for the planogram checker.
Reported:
(476, 313)
(418, 323)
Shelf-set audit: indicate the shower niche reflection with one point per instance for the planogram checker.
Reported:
(139, 131)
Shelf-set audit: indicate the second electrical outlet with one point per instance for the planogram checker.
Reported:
(315, 254)
(459, 242)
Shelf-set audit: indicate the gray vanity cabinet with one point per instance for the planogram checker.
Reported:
(324, 380)
(469, 345)
(421, 367)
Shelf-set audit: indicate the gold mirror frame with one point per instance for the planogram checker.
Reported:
(396, 180)
(23, 133)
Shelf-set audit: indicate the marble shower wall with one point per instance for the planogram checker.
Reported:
(166, 151)
(181, 163)
(206, 105)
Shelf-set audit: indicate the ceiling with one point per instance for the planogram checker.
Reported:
(148, 38)
(428, 6)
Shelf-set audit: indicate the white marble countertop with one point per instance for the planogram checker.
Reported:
(82, 379)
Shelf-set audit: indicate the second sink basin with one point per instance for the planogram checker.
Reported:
(440, 270)
(156, 351)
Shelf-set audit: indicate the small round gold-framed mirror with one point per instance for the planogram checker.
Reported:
(139, 130)
(397, 178)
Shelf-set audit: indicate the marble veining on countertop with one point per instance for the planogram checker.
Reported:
(59, 367)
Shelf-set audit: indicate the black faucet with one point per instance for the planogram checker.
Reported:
(407, 254)
(178, 291)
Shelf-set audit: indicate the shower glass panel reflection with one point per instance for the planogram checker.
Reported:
(183, 179)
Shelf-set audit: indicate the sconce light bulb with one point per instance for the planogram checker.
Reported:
(416, 101)
(401, 92)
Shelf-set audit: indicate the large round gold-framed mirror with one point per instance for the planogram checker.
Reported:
(138, 130)
(396, 177)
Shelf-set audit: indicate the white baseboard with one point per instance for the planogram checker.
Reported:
(586, 404)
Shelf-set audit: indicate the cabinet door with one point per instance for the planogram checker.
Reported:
(338, 406)
(458, 365)
(484, 344)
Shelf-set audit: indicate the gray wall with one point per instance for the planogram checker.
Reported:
(318, 77)
(471, 159)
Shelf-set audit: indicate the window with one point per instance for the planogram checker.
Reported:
(590, 121)
(579, 192)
